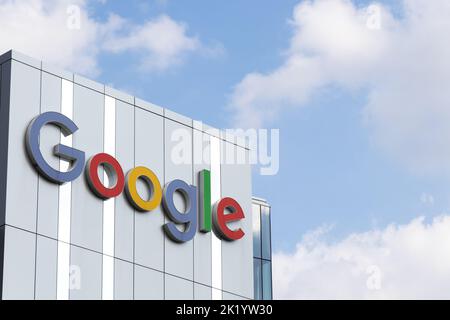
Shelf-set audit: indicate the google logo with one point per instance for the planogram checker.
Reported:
(198, 213)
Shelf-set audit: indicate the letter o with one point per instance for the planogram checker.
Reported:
(113, 170)
(151, 180)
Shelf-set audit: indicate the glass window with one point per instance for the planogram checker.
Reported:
(267, 279)
(265, 233)
(257, 278)
(256, 230)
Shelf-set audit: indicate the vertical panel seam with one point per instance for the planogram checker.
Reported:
(64, 245)
(220, 196)
(108, 207)
(164, 217)
(103, 203)
(2, 257)
(37, 196)
(193, 183)
(5, 106)
(2, 240)
(134, 211)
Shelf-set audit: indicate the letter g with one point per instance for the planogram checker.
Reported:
(67, 127)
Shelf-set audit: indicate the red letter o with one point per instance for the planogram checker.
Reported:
(114, 172)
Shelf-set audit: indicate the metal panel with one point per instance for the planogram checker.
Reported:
(25, 59)
(202, 292)
(119, 95)
(2, 256)
(267, 279)
(46, 263)
(202, 241)
(109, 147)
(257, 280)
(265, 233)
(148, 284)
(216, 243)
(22, 178)
(256, 215)
(47, 219)
(148, 106)
(230, 296)
(18, 264)
(237, 256)
(124, 212)
(169, 114)
(85, 274)
(87, 209)
(88, 83)
(178, 165)
(57, 71)
(4, 134)
(149, 152)
(123, 280)
(178, 289)
(5, 57)
(65, 202)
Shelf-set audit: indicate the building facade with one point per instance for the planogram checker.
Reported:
(64, 237)
(262, 249)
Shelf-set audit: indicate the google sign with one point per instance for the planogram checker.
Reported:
(198, 213)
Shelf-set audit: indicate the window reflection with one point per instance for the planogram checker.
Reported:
(262, 251)
(265, 232)
(267, 279)
(256, 230)
(257, 277)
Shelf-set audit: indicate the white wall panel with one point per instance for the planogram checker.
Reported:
(176, 134)
(237, 278)
(149, 152)
(124, 212)
(46, 268)
(48, 192)
(87, 209)
(22, 178)
(202, 241)
(18, 264)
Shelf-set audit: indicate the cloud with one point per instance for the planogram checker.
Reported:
(331, 42)
(39, 28)
(408, 261)
(401, 62)
(66, 34)
(162, 41)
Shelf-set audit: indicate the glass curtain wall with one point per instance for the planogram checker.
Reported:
(262, 250)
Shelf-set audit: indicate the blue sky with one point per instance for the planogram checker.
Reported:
(251, 40)
(360, 91)
(330, 172)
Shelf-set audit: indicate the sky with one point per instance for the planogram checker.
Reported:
(359, 90)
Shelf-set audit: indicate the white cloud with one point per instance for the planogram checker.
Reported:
(49, 30)
(399, 262)
(39, 28)
(403, 65)
(331, 43)
(163, 41)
